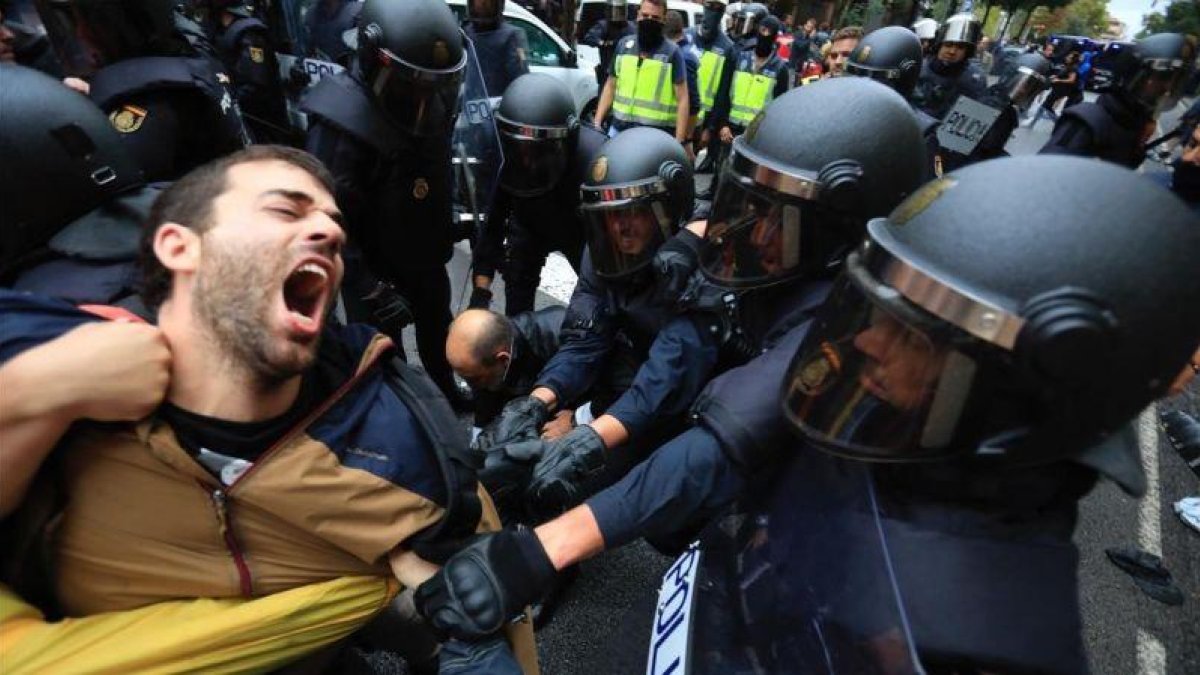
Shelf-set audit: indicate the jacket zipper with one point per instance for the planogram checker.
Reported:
(220, 501)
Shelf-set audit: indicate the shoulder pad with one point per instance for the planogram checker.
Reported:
(149, 73)
(342, 102)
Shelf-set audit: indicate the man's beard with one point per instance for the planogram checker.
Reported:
(233, 299)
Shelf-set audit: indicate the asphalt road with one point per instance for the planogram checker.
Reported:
(603, 622)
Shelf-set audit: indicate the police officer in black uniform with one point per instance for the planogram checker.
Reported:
(502, 50)
(606, 34)
(949, 71)
(991, 419)
(73, 195)
(744, 28)
(243, 44)
(1011, 96)
(383, 128)
(892, 55)
(547, 152)
(150, 69)
(621, 340)
(781, 191)
(1147, 79)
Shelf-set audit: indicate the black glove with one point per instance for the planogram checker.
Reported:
(520, 420)
(486, 584)
(390, 312)
(566, 463)
(481, 298)
(507, 468)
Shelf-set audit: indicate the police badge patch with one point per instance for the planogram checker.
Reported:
(128, 118)
(420, 188)
(257, 55)
(599, 168)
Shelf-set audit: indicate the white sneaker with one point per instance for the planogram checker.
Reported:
(1189, 511)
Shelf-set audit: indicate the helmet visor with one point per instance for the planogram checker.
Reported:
(421, 101)
(624, 234)
(617, 11)
(532, 166)
(744, 24)
(876, 379)
(1157, 83)
(1023, 86)
(888, 76)
(753, 236)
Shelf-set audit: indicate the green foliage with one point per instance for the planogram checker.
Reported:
(1182, 16)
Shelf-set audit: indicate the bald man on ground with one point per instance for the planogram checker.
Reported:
(500, 357)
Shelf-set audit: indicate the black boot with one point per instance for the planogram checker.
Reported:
(1183, 431)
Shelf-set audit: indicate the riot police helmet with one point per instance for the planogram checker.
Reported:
(802, 181)
(618, 11)
(637, 194)
(59, 159)
(1028, 77)
(891, 55)
(485, 13)
(963, 29)
(925, 29)
(538, 130)
(1164, 62)
(413, 59)
(88, 35)
(966, 325)
(747, 18)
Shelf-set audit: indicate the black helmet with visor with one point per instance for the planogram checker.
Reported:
(618, 11)
(1028, 78)
(538, 130)
(950, 333)
(804, 178)
(890, 55)
(747, 18)
(1164, 62)
(637, 194)
(413, 59)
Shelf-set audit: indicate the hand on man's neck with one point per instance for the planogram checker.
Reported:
(209, 382)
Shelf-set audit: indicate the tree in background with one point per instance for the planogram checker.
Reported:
(1182, 16)
(1081, 17)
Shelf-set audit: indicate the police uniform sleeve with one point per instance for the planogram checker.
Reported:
(719, 116)
(587, 337)
(693, 68)
(30, 320)
(592, 38)
(1070, 137)
(349, 162)
(255, 71)
(517, 55)
(488, 252)
(681, 359)
(685, 481)
(679, 69)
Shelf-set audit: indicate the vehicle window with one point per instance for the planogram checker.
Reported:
(543, 51)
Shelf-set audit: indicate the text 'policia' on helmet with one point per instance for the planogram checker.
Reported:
(59, 159)
(747, 18)
(803, 180)
(890, 55)
(637, 193)
(1030, 76)
(964, 326)
(538, 129)
(90, 34)
(413, 59)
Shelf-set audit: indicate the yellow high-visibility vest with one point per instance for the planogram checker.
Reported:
(645, 93)
(709, 78)
(752, 91)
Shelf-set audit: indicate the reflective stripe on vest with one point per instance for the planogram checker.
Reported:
(752, 91)
(645, 93)
(709, 78)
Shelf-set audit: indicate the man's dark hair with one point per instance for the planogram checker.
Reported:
(673, 27)
(848, 33)
(189, 202)
(496, 334)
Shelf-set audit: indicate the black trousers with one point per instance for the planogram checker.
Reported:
(528, 246)
(428, 294)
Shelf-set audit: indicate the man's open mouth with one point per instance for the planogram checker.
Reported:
(304, 294)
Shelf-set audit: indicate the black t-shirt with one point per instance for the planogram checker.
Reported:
(228, 448)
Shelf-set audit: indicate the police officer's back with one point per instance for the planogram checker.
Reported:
(547, 154)
(73, 195)
(149, 69)
(383, 129)
(948, 72)
(1146, 80)
(500, 47)
(243, 44)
